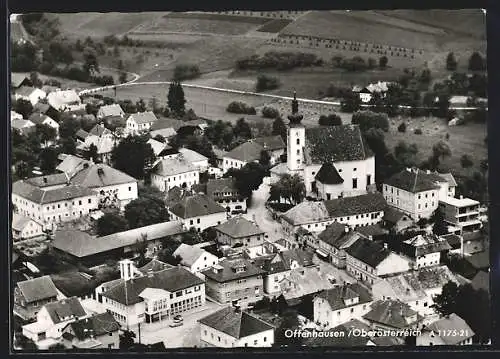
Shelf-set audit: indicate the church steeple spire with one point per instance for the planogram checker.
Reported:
(295, 117)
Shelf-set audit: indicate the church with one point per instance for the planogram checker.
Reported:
(333, 161)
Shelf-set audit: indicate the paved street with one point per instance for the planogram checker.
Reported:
(339, 274)
(259, 213)
(186, 335)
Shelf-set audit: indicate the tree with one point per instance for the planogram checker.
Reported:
(441, 150)
(372, 63)
(466, 161)
(289, 187)
(110, 223)
(25, 343)
(290, 321)
(35, 79)
(425, 76)
(248, 178)
(68, 145)
(132, 155)
(382, 62)
(45, 133)
(451, 62)
(331, 120)
(439, 227)
(476, 62)
(141, 105)
(402, 127)
(23, 169)
(406, 155)
(184, 72)
(48, 160)
(22, 107)
(369, 119)
(145, 211)
(127, 339)
(265, 159)
(279, 128)
(242, 129)
(350, 103)
(270, 112)
(57, 347)
(90, 63)
(91, 153)
(68, 127)
(176, 99)
(265, 82)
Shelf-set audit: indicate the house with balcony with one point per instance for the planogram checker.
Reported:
(367, 261)
(425, 250)
(232, 327)
(99, 331)
(462, 213)
(235, 281)
(416, 288)
(31, 295)
(155, 296)
(392, 314)
(239, 232)
(224, 192)
(51, 321)
(198, 211)
(436, 333)
(333, 242)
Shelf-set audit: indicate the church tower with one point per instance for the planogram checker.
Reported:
(296, 137)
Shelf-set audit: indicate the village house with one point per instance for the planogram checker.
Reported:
(40, 119)
(50, 200)
(342, 147)
(65, 101)
(462, 213)
(416, 288)
(114, 188)
(396, 220)
(234, 280)
(25, 227)
(171, 172)
(456, 243)
(24, 127)
(231, 328)
(80, 247)
(194, 258)
(15, 116)
(165, 127)
(31, 295)
(392, 315)
(239, 232)
(71, 164)
(274, 146)
(199, 161)
(436, 333)
(304, 281)
(341, 304)
(113, 110)
(367, 261)
(416, 192)
(366, 93)
(224, 192)
(355, 211)
(333, 242)
(156, 296)
(75, 284)
(198, 211)
(18, 80)
(157, 146)
(424, 250)
(51, 320)
(31, 94)
(99, 331)
(140, 122)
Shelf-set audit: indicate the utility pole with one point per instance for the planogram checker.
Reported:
(139, 329)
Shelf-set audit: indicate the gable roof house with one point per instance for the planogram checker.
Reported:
(41, 119)
(24, 227)
(31, 94)
(198, 211)
(231, 327)
(416, 288)
(65, 101)
(176, 171)
(425, 250)
(225, 192)
(367, 261)
(140, 122)
(397, 220)
(341, 304)
(71, 164)
(392, 315)
(15, 116)
(194, 258)
(23, 126)
(18, 80)
(304, 281)
(239, 232)
(157, 146)
(196, 159)
(112, 110)
(51, 320)
(435, 333)
(32, 294)
(333, 242)
(99, 331)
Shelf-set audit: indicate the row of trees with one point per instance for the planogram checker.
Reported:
(476, 62)
(357, 63)
(279, 61)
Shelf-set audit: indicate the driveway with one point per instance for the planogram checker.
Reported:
(184, 336)
(258, 212)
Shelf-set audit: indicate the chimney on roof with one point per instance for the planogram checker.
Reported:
(102, 124)
(408, 169)
(237, 308)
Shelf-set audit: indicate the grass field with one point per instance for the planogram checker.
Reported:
(274, 26)
(468, 139)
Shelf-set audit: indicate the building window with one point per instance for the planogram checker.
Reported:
(354, 169)
(130, 189)
(90, 200)
(368, 180)
(198, 221)
(298, 141)
(354, 183)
